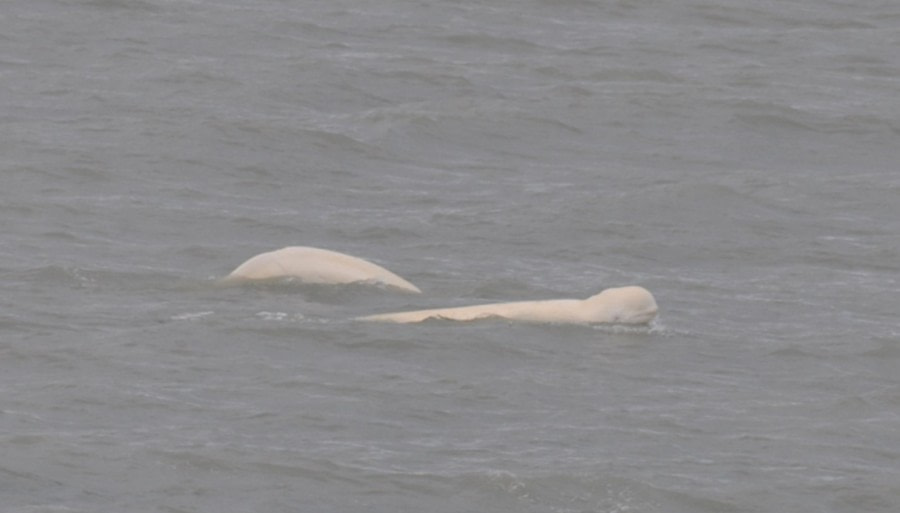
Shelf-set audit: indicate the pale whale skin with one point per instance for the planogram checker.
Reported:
(315, 265)
(623, 305)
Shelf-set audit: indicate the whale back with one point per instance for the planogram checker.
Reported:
(315, 265)
(625, 305)
(622, 305)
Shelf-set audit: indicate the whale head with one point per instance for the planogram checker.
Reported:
(623, 305)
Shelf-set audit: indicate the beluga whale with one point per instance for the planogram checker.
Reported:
(621, 305)
(315, 265)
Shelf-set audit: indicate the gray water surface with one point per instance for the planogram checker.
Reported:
(739, 160)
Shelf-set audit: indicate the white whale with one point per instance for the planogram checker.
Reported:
(315, 265)
(623, 305)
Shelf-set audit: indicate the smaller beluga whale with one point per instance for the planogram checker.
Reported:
(622, 305)
(315, 265)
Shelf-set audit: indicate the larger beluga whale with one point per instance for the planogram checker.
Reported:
(315, 265)
(622, 305)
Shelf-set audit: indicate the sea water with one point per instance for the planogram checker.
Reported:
(737, 159)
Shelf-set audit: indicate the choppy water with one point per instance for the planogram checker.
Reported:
(738, 159)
